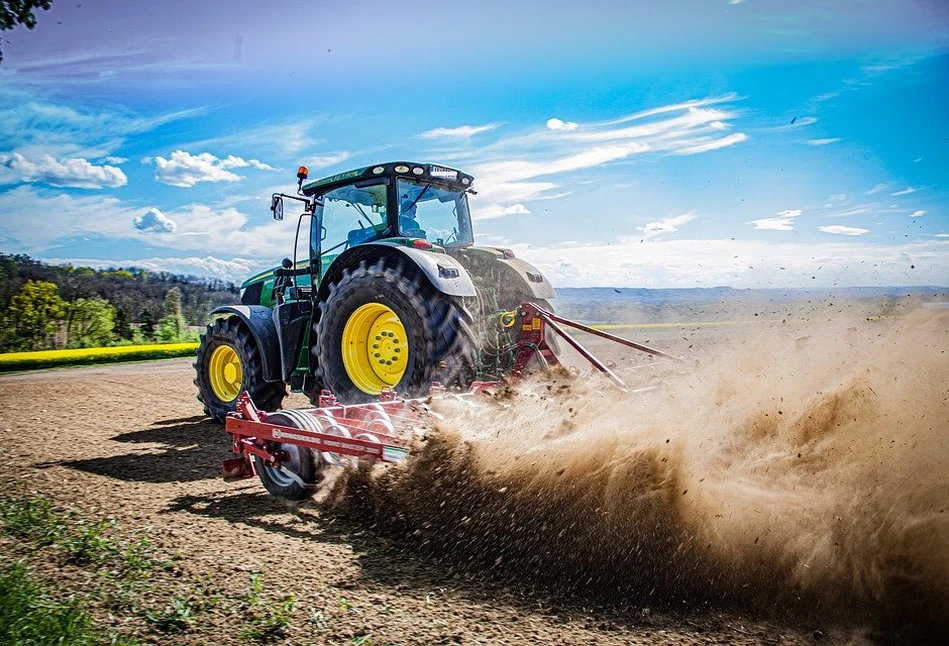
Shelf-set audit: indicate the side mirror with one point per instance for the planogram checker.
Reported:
(286, 263)
(276, 206)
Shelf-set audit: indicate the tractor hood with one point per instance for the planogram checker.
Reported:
(258, 289)
(520, 271)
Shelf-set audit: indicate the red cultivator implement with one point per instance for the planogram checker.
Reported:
(289, 450)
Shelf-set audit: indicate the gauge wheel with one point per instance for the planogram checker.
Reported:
(227, 363)
(300, 472)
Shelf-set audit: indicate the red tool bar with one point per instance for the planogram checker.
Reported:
(312, 439)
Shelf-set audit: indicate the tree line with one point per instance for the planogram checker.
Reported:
(50, 306)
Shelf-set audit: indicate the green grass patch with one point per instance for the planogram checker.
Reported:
(52, 358)
(32, 519)
(267, 619)
(30, 616)
(119, 580)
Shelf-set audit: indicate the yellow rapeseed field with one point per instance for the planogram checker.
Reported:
(49, 358)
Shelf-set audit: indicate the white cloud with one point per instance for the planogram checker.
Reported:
(154, 220)
(492, 211)
(941, 235)
(461, 132)
(838, 229)
(822, 142)
(783, 222)
(906, 191)
(185, 170)
(854, 210)
(71, 172)
(917, 214)
(708, 144)
(558, 124)
(668, 225)
(327, 160)
(879, 188)
(111, 159)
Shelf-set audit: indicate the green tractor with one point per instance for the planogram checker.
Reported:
(392, 295)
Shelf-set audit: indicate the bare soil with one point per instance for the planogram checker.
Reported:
(130, 442)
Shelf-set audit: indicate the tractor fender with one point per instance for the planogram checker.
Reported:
(259, 320)
(446, 274)
(534, 282)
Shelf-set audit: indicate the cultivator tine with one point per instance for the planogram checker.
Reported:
(589, 356)
(535, 320)
(553, 319)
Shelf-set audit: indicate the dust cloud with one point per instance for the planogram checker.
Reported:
(803, 471)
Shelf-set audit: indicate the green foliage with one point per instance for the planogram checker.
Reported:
(33, 316)
(175, 617)
(89, 323)
(136, 296)
(123, 327)
(147, 325)
(88, 543)
(32, 519)
(145, 291)
(19, 12)
(172, 323)
(269, 620)
(30, 616)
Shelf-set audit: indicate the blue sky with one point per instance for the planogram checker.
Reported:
(753, 143)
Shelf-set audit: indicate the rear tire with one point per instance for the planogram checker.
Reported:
(390, 307)
(227, 363)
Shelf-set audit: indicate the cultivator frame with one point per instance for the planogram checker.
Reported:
(382, 430)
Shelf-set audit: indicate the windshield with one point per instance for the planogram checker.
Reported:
(437, 214)
(351, 215)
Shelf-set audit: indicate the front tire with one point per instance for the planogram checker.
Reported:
(228, 363)
(384, 328)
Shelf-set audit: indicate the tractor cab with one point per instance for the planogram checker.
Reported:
(424, 206)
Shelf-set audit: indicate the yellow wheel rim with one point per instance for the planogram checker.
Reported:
(225, 373)
(375, 348)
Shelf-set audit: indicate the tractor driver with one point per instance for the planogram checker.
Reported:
(408, 225)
